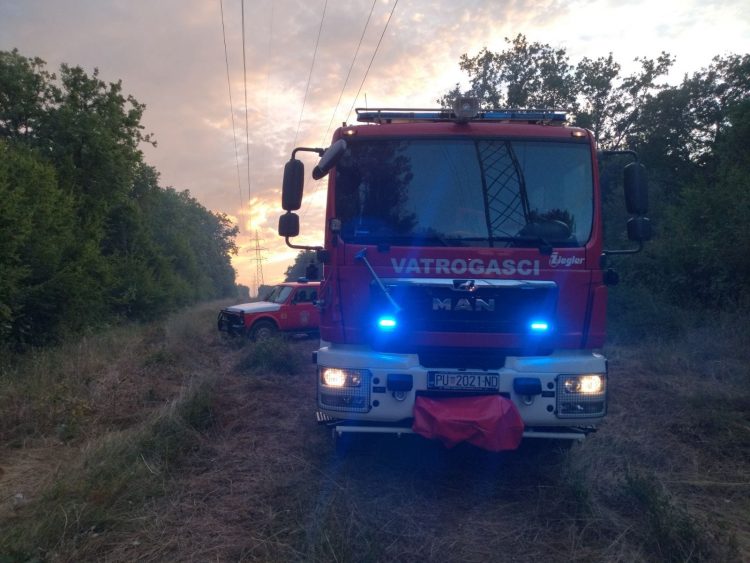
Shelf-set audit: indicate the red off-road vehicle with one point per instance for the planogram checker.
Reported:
(289, 308)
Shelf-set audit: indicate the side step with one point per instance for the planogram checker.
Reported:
(323, 418)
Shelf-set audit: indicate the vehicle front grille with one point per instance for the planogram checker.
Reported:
(486, 308)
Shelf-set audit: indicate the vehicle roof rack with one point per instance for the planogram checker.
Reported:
(404, 115)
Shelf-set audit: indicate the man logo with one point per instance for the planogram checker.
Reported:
(462, 304)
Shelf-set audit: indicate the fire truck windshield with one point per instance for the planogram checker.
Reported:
(465, 192)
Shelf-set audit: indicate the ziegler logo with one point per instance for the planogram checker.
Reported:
(462, 304)
(556, 260)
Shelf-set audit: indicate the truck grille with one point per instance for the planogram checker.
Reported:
(484, 306)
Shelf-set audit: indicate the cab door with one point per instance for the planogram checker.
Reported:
(303, 314)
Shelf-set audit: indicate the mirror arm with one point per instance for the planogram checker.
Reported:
(626, 152)
(318, 151)
(624, 251)
(301, 246)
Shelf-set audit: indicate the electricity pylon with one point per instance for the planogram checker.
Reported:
(259, 258)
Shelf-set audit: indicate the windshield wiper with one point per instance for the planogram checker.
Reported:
(362, 256)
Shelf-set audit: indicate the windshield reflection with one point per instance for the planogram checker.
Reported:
(467, 192)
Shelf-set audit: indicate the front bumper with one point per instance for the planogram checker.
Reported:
(379, 408)
(231, 323)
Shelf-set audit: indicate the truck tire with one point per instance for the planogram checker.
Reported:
(263, 330)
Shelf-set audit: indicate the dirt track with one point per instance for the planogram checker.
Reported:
(268, 485)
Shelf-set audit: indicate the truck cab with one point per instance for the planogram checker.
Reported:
(465, 277)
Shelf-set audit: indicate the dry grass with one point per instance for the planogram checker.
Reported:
(250, 477)
(91, 430)
(271, 488)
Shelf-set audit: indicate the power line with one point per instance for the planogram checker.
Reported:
(372, 59)
(231, 104)
(309, 77)
(346, 81)
(247, 125)
(317, 185)
(343, 88)
(269, 59)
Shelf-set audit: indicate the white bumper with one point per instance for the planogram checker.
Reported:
(543, 414)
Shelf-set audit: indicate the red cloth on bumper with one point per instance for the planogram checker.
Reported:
(491, 422)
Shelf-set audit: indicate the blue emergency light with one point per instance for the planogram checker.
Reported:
(387, 323)
(539, 327)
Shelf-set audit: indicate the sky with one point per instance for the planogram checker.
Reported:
(170, 56)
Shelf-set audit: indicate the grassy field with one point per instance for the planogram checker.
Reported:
(167, 442)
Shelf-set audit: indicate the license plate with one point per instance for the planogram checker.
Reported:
(463, 381)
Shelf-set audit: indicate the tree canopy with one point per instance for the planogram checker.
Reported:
(89, 236)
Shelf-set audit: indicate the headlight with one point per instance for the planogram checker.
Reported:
(344, 389)
(581, 396)
(584, 384)
(336, 377)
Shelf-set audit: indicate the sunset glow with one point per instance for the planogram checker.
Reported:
(170, 56)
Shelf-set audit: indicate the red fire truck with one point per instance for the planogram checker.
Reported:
(465, 281)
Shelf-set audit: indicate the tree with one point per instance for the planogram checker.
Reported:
(526, 75)
(598, 97)
(39, 221)
(26, 90)
(95, 238)
(537, 75)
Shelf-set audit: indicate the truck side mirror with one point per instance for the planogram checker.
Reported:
(289, 225)
(329, 159)
(639, 229)
(291, 190)
(636, 189)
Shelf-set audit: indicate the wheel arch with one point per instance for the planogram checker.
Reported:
(262, 318)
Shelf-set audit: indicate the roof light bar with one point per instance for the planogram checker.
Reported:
(389, 115)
